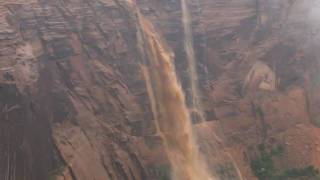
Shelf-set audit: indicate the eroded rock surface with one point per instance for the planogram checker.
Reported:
(74, 106)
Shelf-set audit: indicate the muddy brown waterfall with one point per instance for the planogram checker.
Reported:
(171, 111)
(168, 104)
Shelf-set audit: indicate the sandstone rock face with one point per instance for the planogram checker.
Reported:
(74, 106)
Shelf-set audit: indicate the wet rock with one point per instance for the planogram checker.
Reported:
(70, 77)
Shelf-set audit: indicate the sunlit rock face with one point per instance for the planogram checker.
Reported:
(74, 106)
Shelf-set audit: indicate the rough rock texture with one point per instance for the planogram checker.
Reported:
(73, 103)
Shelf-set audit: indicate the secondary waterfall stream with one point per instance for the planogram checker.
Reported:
(196, 106)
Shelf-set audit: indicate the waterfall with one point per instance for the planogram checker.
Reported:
(168, 103)
(196, 106)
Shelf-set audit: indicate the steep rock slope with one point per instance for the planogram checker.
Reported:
(73, 103)
(71, 92)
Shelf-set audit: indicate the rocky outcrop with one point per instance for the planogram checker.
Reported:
(74, 106)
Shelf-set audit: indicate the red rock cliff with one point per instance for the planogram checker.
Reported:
(74, 106)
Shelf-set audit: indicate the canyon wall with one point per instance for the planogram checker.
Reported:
(74, 105)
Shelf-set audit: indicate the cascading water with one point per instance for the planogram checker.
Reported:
(196, 105)
(170, 108)
(168, 104)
